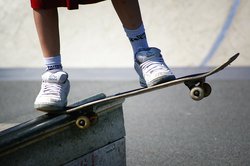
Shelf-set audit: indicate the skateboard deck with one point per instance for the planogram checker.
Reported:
(199, 89)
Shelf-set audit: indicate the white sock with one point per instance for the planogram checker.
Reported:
(53, 63)
(137, 38)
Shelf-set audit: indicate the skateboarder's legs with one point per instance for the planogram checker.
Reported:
(129, 13)
(46, 22)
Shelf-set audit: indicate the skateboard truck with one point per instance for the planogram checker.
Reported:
(86, 117)
(198, 88)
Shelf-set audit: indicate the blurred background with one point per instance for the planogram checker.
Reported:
(187, 32)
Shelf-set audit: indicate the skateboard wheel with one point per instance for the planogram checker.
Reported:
(83, 122)
(207, 89)
(197, 93)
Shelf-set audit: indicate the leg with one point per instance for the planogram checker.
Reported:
(130, 16)
(48, 31)
(55, 85)
(149, 63)
(128, 12)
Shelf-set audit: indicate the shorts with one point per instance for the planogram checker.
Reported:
(70, 4)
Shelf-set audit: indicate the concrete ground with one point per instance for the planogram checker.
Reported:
(164, 127)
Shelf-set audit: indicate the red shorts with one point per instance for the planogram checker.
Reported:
(70, 4)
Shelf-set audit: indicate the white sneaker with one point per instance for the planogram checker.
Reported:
(151, 67)
(54, 91)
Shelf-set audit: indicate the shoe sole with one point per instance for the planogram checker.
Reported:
(49, 108)
(159, 80)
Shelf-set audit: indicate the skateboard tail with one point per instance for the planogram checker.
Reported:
(234, 57)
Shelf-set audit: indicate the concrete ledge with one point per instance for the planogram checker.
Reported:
(111, 155)
(63, 143)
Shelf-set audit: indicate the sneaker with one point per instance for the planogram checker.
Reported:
(151, 67)
(54, 91)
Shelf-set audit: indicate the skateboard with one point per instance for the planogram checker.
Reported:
(196, 83)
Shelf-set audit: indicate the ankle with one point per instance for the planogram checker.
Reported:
(53, 63)
(137, 38)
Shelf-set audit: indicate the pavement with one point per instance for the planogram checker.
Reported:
(163, 127)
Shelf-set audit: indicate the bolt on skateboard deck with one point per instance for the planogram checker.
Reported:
(197, 84)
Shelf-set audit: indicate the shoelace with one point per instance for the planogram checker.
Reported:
(51, 89)
(152, 66)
